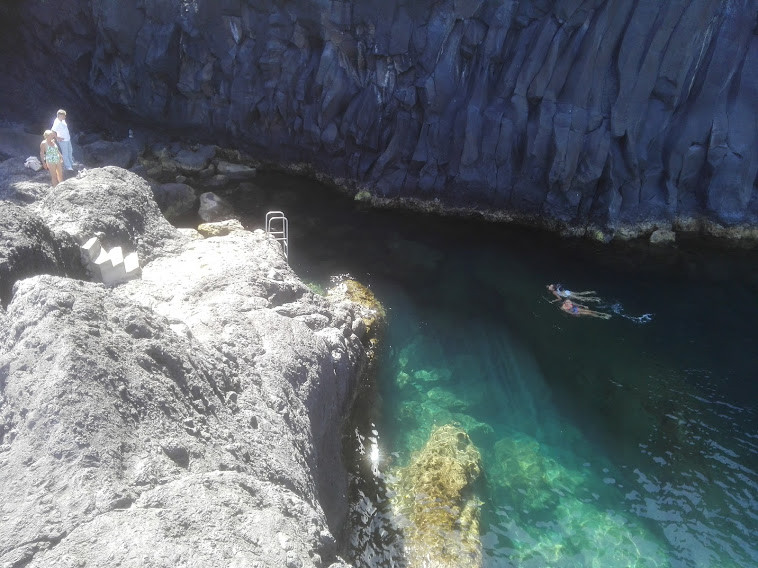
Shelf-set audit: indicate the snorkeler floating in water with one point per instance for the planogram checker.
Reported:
(578, 310)
(562, 294)
(571, 304)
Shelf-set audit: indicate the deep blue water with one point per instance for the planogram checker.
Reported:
(604, 442)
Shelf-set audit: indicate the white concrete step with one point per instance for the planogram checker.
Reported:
(131, 266)
(91, 249)
(112, 267)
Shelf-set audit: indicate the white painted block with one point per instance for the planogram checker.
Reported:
(113, 270)
(92, 248)
(110, 267)
(131, 266)
(116, 256)
(101, 264)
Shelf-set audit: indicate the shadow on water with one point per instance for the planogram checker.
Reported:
(607, 443)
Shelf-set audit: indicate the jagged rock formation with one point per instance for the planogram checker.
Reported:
(190, 417)
(602, 113)
(28, 247)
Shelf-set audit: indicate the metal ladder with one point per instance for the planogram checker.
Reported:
(278, 227)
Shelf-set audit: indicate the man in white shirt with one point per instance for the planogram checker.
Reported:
(64, 139)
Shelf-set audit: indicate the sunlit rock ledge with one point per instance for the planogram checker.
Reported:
(189, 417)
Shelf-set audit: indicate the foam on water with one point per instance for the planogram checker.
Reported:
(618, 309)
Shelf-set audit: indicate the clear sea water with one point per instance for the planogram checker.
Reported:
(605, 443)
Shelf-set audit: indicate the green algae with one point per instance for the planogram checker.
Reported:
(372, 313)
(560, 518)
(553, 513)
(435, 495)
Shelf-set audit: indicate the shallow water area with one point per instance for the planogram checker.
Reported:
(623, 442)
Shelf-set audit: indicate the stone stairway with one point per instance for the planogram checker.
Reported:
(110, 267)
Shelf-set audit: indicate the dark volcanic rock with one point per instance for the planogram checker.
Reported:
(113, 202)
(106, 153)
(600, 113)
(120, 441)
(28, 247)
(16, 143)
(214, 208)
(192, 417)
(175, 199)
(22, 185)
(194, 161)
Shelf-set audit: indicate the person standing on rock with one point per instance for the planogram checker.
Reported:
(64, 139)
(51, 158)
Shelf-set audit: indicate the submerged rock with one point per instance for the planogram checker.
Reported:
(373, 318)
(544, 489)
(436, 503)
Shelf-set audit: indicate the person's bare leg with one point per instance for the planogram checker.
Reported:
(586, 296)
(600, 315)
(57, 173)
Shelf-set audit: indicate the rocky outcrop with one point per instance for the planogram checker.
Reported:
(28, 247)
(602, 114)
(113, 204)
(190, 417)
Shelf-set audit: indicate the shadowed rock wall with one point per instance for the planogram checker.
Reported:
(588, 112)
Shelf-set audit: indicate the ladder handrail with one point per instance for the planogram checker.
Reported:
(282, 235)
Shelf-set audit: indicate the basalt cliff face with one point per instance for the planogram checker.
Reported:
(593, 113)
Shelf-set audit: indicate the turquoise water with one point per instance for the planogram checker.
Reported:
(604, 442)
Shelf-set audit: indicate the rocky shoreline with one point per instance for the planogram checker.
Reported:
(190, 417)
(203, 402)
(180, 173)
(600, 116)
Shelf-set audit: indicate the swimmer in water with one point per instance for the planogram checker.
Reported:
(578, 310)
(561, 293)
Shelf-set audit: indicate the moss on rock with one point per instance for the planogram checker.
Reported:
(372, 313)
(436, 502)
(219, 228)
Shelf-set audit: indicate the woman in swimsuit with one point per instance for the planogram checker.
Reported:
(578, 310)
(561, 294)
(51, 158)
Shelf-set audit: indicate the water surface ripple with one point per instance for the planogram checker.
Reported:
(604, 443)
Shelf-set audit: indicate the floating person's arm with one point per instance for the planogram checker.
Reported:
(555, 292)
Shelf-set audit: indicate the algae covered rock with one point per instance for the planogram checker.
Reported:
(369, 324)
(219, 228)
(543, 489)
(436, 502)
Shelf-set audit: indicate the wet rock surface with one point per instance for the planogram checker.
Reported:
(598, 114)
(188, 418)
